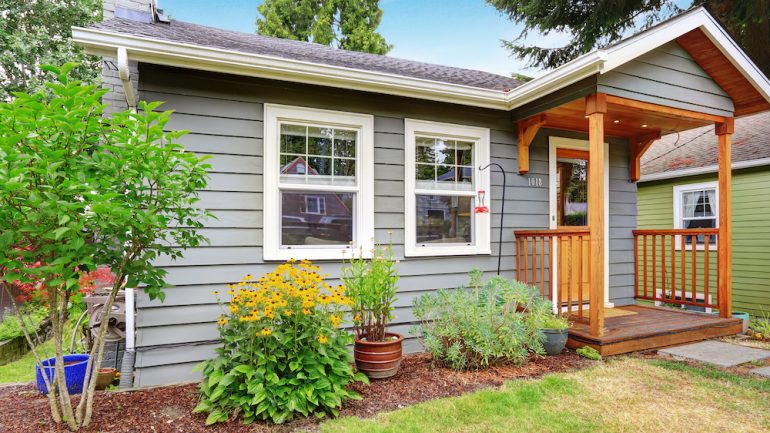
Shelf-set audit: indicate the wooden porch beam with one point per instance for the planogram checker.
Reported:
(724, 131)
(639, 146)
(596, 108)
(679, 112)
(528, 128)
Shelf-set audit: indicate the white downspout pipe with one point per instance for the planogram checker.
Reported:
(127, 366)
(125, 77)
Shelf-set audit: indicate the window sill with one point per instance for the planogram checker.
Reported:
(284, 254)
(439, 251)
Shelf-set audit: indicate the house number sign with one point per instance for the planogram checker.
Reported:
(535, 181)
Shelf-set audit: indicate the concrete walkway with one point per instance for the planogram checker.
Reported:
(717, 353)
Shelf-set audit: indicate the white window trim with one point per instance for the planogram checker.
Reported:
(481, 223)
(363, 224)
(678, 190)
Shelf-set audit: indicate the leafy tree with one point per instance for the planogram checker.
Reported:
(598, 23)
(37, 32)
(80, 190)
(347, 24)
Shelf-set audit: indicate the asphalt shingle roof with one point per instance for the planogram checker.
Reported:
(182, 32)
(698, 147)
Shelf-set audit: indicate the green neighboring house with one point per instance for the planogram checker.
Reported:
(679, 189)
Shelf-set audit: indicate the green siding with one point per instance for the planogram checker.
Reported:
(751, 230)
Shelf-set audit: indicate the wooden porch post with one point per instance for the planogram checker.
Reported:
(724, 131)
(596, 107)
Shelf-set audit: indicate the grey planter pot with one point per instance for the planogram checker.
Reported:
(555, 340)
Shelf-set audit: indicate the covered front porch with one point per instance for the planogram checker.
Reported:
(689, 267)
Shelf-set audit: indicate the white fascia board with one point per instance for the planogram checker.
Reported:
(142, 49)
(702, 170)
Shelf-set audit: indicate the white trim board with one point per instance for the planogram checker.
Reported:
(481, 223)
(572, 143)
(162, 52)
(363, 215)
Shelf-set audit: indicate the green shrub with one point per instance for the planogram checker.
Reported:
(10, 327)
(470, 328)
(283, 353)
(761, 325)
(589, 353)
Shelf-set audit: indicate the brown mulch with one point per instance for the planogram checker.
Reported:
(169, 409)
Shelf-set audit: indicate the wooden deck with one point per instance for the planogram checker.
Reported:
(637, 327)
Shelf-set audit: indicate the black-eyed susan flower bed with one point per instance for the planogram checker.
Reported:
(283, 354)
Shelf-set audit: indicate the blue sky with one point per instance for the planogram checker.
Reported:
(464, 33)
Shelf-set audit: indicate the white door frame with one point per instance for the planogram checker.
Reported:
(572, 143)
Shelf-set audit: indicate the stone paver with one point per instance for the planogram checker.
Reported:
(717, 353)
(764, 371)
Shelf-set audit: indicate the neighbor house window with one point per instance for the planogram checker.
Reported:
(318, 183)
(442, 184)
(696, 206)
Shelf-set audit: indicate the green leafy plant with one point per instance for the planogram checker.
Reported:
(283, 353)
(372, 286)
(474, 328)
(79, 189)
(589, 352)
(761, 325)
(32, 317)
(551, 321)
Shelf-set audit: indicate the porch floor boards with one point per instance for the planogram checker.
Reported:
(649, 327)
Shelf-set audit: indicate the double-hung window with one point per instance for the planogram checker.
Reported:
(696, 206)
(443, 181)
(318, 183)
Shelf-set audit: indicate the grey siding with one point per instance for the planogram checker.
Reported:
(668, 76)
(224, 115)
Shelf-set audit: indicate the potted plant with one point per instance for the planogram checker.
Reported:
(556, 331)
(371, 284)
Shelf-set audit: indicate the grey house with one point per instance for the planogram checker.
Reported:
(315, 147)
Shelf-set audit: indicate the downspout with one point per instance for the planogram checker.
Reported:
(127, 366)
(125, 77)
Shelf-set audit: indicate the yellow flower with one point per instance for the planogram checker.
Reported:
(287, 313)
(358, 318)
(305, 311)
(215, 292)
(323, 339)
(336, 320)
(265, 332)
(222, 321)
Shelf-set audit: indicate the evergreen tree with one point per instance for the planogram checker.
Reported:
(347, 24)
(598, 23)
(37, 32)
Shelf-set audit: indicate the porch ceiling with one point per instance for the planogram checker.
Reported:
(624, 120)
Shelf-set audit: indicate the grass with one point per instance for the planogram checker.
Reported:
(623, 395)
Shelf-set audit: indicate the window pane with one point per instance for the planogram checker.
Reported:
(425, 152)
(704, 223)
(465, 174)
(445, 173)
(445, 152)
(293, 139)
(444, 219)
(319, 141)
(426, 172)
(316, 218)
(344, 167)
(344, 143)
(464, 153)
(319, 166)
(293, 164)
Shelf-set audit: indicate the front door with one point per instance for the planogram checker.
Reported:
(568, 208)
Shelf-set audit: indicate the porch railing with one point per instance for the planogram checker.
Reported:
(677, 267)
(557, 262)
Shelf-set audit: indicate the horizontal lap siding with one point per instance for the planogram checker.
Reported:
(668, 76)
(751, 232)
(224, 118)
(224, 115)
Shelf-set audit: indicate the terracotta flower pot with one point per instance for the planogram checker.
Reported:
(379, 359)
(105, 377)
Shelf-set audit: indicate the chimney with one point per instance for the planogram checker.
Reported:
(137, 10)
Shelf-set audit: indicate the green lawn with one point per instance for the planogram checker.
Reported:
(23, 369)
(623, 395)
